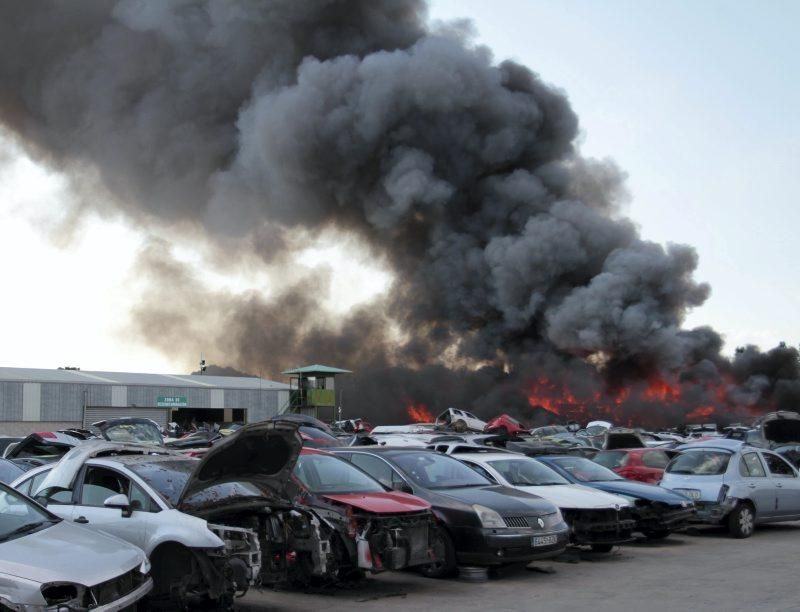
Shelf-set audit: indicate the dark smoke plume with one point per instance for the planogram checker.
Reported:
(257, 122)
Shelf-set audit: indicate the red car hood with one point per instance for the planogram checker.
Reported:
(382, 503)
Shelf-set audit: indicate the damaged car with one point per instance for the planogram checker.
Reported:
(47, 563)
(370, 528)
(211, 528)
(43, 447)
(642, 464)
(736, 485)
(481, 523)
(596, 519)
(657, 511)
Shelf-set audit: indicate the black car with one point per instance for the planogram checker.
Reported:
(658, 511)
(484, 524)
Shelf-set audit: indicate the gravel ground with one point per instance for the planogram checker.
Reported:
(704, 569)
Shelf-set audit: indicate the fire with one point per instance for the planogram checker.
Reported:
(701, 412)
(419, 413)
(659, 389)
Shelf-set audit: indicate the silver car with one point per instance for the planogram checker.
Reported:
(50, 564)
(735, 484)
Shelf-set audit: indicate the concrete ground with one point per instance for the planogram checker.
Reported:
(704, 569)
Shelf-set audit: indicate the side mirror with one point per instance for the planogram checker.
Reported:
(120, 501)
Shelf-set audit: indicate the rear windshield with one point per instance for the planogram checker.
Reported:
(700, 463)
(527, 472)
(40, 449)
(611, 460)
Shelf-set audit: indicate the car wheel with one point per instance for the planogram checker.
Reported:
(445, 552)
(173, 570)
(460, 426)
(602, 548)
(742, 521)
(657, 534)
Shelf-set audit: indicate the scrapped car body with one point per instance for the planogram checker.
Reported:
(642, 464)
(480, 523)
(597, 519)
(211, 528)
(372, 529)
(47, 563)
(621, 437)
(657, 511)
(460, 421)
(735, 484)
(504, 425)
(130, 430)
(44, 447)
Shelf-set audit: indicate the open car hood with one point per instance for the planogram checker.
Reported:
(622, 439)
(780, 427)
(261, 454)
(130, 430)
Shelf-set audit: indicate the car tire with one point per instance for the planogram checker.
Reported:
(602, 548)
(742, 521)
(445, 564)
(460, 426)
(172, 567)
(657, 534)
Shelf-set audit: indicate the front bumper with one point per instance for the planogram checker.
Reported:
(662, 518)
(127, 600)
(604, 526)
(713, 513)
(488, 547)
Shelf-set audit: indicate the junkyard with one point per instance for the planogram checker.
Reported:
(399, 304)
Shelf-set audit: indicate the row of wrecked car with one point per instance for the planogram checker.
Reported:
(263, 507)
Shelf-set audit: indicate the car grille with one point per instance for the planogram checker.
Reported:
(110, 591)
(524, 522)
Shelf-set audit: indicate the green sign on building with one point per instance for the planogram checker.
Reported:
(174, 401)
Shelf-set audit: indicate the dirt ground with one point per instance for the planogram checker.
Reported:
(704, 569)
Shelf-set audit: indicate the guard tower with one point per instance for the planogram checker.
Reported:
(313, 392)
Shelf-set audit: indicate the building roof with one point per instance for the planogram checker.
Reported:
(317, 369)
(132, 378)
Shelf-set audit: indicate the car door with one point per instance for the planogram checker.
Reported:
(785, 480)
(95, 484)
(59, 503)
(758, 485)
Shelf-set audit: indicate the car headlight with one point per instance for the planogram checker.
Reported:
(488, 517)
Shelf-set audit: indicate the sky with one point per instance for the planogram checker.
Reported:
(696, 101)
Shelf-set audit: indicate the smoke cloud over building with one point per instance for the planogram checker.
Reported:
(517, 282)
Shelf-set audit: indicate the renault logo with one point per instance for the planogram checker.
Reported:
(541, 523)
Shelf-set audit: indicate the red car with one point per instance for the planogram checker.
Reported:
(504, 425)
(642, 464)
(370, 528)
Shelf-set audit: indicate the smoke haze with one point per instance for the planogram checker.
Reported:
(261, 125)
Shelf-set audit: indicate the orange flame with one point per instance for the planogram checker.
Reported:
(701, 412)
(419, 413)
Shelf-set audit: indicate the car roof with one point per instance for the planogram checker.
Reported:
(383, 450)
(490, 456)
(717, 444)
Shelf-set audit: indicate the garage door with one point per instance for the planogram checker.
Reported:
(92, 414)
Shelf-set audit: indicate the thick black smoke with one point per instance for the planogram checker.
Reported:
(257, 122)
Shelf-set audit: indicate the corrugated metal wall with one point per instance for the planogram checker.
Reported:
(11, 401)
(62, 402)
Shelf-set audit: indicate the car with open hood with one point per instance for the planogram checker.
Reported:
(134, 430)
(597, 519)
(372, 528)
(211, 527)
(658, 511)
(481, 523)
(735, 484)
(47, 563)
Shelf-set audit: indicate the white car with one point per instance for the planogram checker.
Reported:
(47, 563)
(598, 519)
(460, 420)
(164, 502)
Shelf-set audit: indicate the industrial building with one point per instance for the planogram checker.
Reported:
(42, 400)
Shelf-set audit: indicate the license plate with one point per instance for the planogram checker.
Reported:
(544, 540)
(690, 493)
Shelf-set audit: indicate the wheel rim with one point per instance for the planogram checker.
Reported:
(746, 520)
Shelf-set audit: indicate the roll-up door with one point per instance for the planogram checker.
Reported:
(92, 414)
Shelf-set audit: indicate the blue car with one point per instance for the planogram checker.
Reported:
(658, 511)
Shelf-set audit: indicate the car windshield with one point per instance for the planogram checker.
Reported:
(526, 473)
(143, 433)
(436, 471)
(611, 459)
(700, 463)
(41, 449)
(584, 470)
(327, 474)
(168, 477)
(19, 516)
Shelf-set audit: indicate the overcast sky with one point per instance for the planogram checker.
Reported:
(697, 101)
